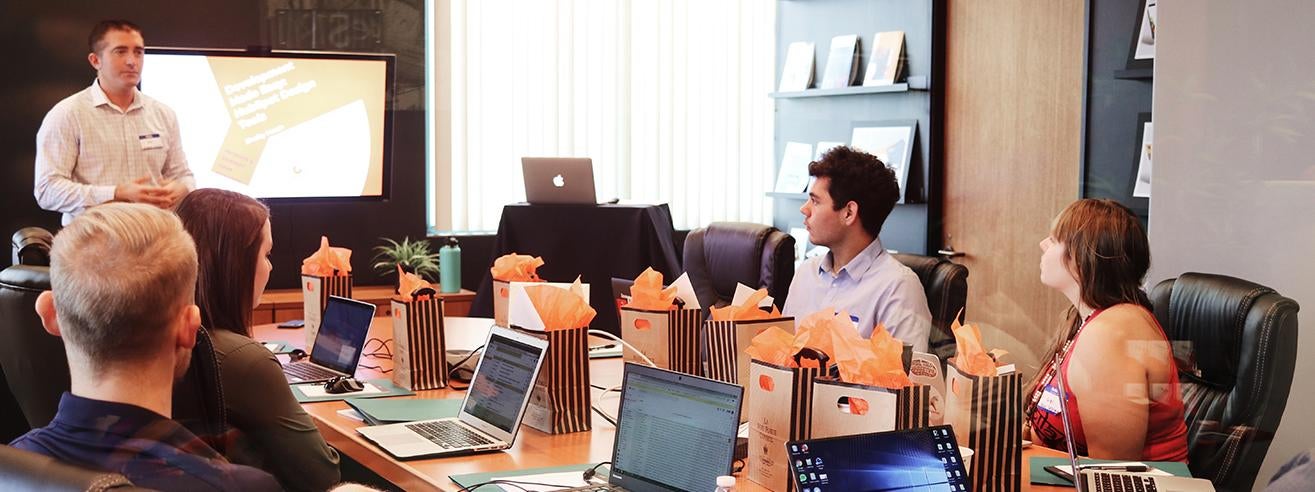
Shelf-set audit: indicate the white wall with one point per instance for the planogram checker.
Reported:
(1234, 153)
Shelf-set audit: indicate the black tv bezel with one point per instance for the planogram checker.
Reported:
(390, 93)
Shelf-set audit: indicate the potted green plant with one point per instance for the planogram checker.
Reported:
(412, 256)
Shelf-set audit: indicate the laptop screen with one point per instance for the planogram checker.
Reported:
(919, 459)
(343, 329)
(675, 431)
(505, 375)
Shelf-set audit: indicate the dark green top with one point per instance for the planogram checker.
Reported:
(273, 432)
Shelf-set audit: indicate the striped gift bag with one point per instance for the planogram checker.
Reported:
(560, 401)
(722, 344)
(987, 416)
(419, 355)
(670, 338)
(836, 414)
(315, 292)
(779, 410)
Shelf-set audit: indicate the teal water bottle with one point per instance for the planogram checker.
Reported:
(449, 267)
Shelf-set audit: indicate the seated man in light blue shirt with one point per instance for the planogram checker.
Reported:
(853, 194)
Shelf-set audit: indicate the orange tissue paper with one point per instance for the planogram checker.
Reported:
(971, 359)
(746, 311)
(328, 261)
(560, 309)
(647, 292)
(516, 268)
(773, 346)
(409, 284)
(886, 368)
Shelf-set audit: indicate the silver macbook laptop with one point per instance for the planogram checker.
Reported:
(675, 432)
(343, 329)
(491, 413)
(925, 459)
(559, 180)
(1093, 479)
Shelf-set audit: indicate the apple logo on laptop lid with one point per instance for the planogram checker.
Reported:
(558, 181)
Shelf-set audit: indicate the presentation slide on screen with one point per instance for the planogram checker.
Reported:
(276, 127)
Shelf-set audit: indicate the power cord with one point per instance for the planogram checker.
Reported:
(380, 352)
(625, 344)
(609, 418)
(513, 483)
(455, 368)
(589, 474)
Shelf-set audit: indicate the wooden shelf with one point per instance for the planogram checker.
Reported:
(843, 91)
(277, 306)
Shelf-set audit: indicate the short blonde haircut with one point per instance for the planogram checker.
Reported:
(120, 273)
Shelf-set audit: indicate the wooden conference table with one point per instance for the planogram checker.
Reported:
(533, 449)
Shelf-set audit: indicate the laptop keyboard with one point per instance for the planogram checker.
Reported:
(308, 372)
(1118, 482)
(448, 434)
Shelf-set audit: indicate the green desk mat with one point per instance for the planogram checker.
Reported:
(391, 410)
(1039, 474)
(383, 384)
(469, 479)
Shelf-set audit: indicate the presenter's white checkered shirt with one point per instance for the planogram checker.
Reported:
(87, 145)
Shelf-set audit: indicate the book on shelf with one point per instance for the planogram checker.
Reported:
(798, 72)
(841, 62)
(887, 64)
(793, 176)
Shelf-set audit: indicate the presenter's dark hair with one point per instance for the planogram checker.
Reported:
(95, 41)
(862, 178)
(226, 227)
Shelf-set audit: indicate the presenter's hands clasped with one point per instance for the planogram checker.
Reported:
(141, 190)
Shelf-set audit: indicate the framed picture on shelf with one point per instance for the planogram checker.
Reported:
(1141, 181)
(890, 141)
(1142, 52)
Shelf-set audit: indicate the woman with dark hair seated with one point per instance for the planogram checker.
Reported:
(1117, 365)
(272, 432)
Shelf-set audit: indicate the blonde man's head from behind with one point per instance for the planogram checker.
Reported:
(122, 281)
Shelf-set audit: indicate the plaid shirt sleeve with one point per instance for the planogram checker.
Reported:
(57, 154)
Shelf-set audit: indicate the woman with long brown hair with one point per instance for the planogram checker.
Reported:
(233, 242)
(1116, 364)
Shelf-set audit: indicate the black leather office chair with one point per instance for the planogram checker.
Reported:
(946, 286)
(31, 246)
(726, 253)
(1236, 345)
(35, 367)
(24, 470)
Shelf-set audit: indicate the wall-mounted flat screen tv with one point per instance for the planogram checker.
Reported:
(280, 124)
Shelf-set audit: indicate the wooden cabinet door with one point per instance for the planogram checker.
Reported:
(1013, 113)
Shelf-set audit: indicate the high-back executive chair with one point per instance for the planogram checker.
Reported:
(25, 470)
(723, 254)
(1236, 346)
(35, 368)
(946, 286)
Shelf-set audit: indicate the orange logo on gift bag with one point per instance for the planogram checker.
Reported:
(310, 286)
(397, 313)
(502, 292)
(766, 382)
(642, 324)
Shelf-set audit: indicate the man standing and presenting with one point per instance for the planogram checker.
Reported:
(847, 205)
(122, 278)
(110, 142)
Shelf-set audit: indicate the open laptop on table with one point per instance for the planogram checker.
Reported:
(338, 344)
(925, 459)
(1092, 479)
(559, 180)
(491, 413)
(675, 432)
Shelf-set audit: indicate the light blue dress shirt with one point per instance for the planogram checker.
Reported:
(874, 287)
